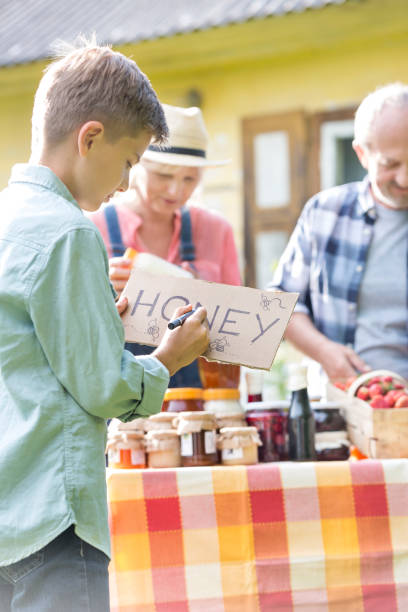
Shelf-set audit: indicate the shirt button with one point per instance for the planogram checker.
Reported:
(352, 306)
(367, 231)
(359, 268)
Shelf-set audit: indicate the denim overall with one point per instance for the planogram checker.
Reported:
(188, 376)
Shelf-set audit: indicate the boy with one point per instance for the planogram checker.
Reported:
(63, 368)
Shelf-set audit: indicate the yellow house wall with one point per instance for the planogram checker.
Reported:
(318, 60)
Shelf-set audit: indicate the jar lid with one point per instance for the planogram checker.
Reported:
(220, 393)
(162, 434)
(237, 415)
(268, 405)
(194, 421)
(325, 405)
(118, 425)
(195, 415)
(161, 417)
(249, 431)
(180, 393)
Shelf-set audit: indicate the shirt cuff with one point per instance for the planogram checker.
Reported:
(155, 382)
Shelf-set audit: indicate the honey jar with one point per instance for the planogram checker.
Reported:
(222, 401)
(183, 399)
(239, 445)
(214, 374)
(197, 431)
(125, 445)
(163, 448)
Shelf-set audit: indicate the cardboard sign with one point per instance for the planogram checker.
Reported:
(246, 325)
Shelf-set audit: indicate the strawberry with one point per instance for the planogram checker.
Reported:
(340, 385)
(373, 380)
(375, 389)
(398, 385)
(350, 381)
(402, 401)
(378, 401)
(390, 397)
(363, 393)
(387, 379)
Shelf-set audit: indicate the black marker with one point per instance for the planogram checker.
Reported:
(180, 320)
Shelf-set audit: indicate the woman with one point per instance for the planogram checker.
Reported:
(153, 216)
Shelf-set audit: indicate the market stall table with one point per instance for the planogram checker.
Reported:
(271, 537)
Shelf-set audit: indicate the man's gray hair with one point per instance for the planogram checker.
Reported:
(393, 94)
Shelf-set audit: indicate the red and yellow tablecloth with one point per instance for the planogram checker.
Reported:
(272, 537)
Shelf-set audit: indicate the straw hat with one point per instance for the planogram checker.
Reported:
(188, 140)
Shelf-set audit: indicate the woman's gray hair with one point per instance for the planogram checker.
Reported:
(393, 94)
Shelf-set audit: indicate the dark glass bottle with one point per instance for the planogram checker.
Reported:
(301, 423)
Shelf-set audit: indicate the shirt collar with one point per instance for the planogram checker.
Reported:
(42, 176)
(366, 200)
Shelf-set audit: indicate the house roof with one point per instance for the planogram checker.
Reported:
(29, 28)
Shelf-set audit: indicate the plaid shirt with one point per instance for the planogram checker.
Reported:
(325, 258)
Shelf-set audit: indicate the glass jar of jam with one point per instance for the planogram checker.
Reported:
(214, 374)
(332, 446)
(163, 448)
(328, 417)
(127, 451)
(183, 399)
(270, 420)
(331, 440)
(197, 431)
(239, 445)
(254, 385)
(159, 421)
(222, 401)
(125, 444)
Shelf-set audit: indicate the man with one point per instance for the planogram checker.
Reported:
(347, 256)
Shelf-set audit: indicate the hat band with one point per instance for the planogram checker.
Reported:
(178, 150)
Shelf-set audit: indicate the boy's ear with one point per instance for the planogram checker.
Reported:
(361, 153)
(90, 133)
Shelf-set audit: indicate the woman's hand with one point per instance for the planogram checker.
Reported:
(119, 272)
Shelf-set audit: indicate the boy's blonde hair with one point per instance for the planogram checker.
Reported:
(95, 83)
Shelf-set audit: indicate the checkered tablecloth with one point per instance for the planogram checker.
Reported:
(272, 537)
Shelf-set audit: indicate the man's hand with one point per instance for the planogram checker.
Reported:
(182, 345)
(119, 272)
(341, 362)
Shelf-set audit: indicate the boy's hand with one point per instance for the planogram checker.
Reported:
(182, 345)
(119, 272)
(121, 305)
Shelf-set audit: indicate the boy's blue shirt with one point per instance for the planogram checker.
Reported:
(63, 368)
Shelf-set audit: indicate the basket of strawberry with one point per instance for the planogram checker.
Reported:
(381, 389)
(375, 405)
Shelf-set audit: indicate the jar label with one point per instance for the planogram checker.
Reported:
(209, 442)
(113, 455)
(137, 457)
(187, 445)
(232, 453)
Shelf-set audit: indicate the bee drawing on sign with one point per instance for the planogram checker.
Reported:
(266, 302)
(219, 344)
(153, 329)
